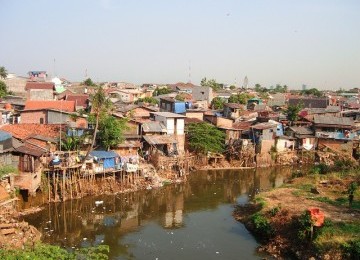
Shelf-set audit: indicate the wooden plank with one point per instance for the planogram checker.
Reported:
(8, 231)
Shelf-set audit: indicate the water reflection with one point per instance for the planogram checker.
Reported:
(122, 221)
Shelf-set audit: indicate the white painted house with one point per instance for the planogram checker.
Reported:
(175, 125)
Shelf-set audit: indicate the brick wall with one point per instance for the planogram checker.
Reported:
(33, 117)
(40, 94)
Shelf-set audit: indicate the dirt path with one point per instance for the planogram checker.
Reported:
(296, 205)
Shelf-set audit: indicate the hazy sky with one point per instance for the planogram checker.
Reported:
(289, 42)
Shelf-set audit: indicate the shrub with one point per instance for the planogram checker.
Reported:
(321, 168)
(4, 170)
(261, 225)
(274, 211)
(304, 224)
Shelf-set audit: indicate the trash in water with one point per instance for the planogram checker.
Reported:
(99, 202)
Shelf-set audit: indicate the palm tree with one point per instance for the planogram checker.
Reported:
(3, 72)
(100, 106)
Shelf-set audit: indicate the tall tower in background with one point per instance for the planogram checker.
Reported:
(245, 83)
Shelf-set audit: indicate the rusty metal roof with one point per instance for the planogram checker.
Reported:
(263, 126)
(333, 120)
(160, 139)
(130, 144)
(34, 151)
(154, 126)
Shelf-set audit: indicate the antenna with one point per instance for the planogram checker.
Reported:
(54, 71)
(189, 71)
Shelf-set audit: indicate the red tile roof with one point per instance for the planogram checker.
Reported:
(39, 85)
(22, 131)
(68, 106)
(79, 99)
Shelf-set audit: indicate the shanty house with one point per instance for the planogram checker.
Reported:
(105, 161)
(174, 126)
(341, 128)
(305, 138)
(263, 135)
(5, 148)
(39, 90)
(203, 93)
(232, 110)
(335, 133)
(309, 102)
(172, 105)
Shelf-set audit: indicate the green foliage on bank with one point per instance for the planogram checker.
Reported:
(44, 252)
(204, 138)
(6, 169)
(341, 236)
(262, 226)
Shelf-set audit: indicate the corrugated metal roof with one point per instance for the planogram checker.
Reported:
(130, 144)
(104, 154)
(31, 151)
(4, 136)
(300, 130)
(160, 139)
(154, 126)
(332, 120)
(168, 114)
(263, 126)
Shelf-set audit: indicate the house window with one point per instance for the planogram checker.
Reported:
(41, 120)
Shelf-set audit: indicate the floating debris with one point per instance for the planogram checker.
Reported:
(99, 202)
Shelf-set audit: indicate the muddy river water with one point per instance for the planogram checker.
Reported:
(191, 220)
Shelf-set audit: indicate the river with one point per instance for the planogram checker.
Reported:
(191, 220)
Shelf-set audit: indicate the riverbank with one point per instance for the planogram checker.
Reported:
(278, 218)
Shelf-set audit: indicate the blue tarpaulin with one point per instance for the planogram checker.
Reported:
(4, 136)
(107, 157)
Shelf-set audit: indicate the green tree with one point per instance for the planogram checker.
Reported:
(258, 87)
(180, 97)
(88, 82)
(240, 98)
(162, 91)
(312, 92)
(217, 103)
(149, 100)
(204, 138)
(111, 131)
(3, 72)
(232, 87)
(6, 169)
(292, 112)
(100, 108)
(71, 143)
(351, 191)
(3, 89)
(211, 83)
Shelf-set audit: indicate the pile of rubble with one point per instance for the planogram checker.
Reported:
(287, 158)
(15, 234)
